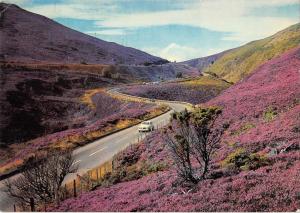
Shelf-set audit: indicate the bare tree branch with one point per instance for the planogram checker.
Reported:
(192, 136)
(42, 179)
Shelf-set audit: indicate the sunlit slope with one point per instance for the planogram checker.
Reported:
(238, 63)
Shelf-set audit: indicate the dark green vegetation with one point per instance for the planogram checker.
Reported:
(193, 142)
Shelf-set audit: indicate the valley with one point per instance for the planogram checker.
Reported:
(226, 126)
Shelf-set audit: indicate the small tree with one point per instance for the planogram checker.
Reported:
(192, 141)
(179, 75)
(41, 180)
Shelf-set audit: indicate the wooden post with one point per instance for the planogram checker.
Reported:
(80, 186)
(32, 205)
(112, 165)
(66, 191)
(88, 181)
(97, 175)
(74, 188)
(15, 209)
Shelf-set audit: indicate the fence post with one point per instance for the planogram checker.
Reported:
(15, 209)
(32, 204)
(88, 181)
(74, 188)
(66, 191)
(97, 175)
(80, 187)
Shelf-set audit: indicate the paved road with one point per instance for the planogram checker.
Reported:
(95, 154)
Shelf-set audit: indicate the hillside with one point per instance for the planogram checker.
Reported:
(46, 68)
(26, 36)
(255, 169)
(195, 90)
(237, 63)
(202, 63)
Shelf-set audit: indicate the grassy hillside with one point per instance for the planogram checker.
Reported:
(204, 62)
(238, 63)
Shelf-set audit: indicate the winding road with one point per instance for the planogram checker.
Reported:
(102, 150)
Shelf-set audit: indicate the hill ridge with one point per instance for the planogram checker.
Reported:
(51, 41)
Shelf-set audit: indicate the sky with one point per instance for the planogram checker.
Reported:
(176, 30)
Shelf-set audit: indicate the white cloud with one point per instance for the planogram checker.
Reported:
(175, 52)
(231, 16)
(218, 15)
(77, 9)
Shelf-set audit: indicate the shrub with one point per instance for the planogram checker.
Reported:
(191, 137)
(41, 179)
(243, 160)
(132, 172)
(179, 75)
(270, 114)
(155, 167)
(243, 128)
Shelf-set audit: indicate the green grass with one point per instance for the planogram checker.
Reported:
(244, 128)
(243, 160)
(207, 81)
(238, 63)
(270, 114)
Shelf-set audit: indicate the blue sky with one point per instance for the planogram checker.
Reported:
(173, 29)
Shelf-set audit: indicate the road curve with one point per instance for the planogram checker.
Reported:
(102, 150)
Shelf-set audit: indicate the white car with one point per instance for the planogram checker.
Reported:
(146, 126)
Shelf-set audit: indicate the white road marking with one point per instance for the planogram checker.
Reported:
(97, 151)
(76, 162)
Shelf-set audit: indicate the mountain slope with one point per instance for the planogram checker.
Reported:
(195, 90)
(262, 113)
(235, 64)
(204, 62)
(28, 36)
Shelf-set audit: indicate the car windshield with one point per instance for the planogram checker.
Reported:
(146, 122)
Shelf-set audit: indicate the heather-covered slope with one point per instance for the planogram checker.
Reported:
(157, 72)
(233, 65)
(262, 114)
(198, 90)
(44, 108)
(27, 36)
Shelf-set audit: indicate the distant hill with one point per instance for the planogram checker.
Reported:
(26, 36)
(235, 64)
(202, 63)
